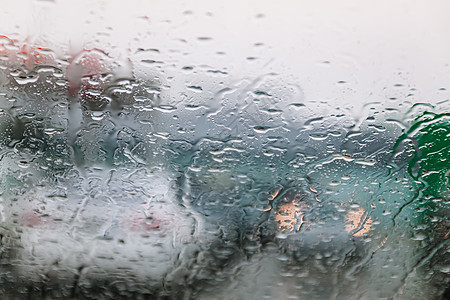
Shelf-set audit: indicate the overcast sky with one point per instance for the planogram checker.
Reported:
(344, 51)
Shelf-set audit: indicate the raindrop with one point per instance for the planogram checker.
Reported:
(318, 136)
(204, 38)
(26, 79)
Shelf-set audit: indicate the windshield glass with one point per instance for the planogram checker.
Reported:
(224, 151)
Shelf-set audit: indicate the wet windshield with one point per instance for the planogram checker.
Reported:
(239, 151)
